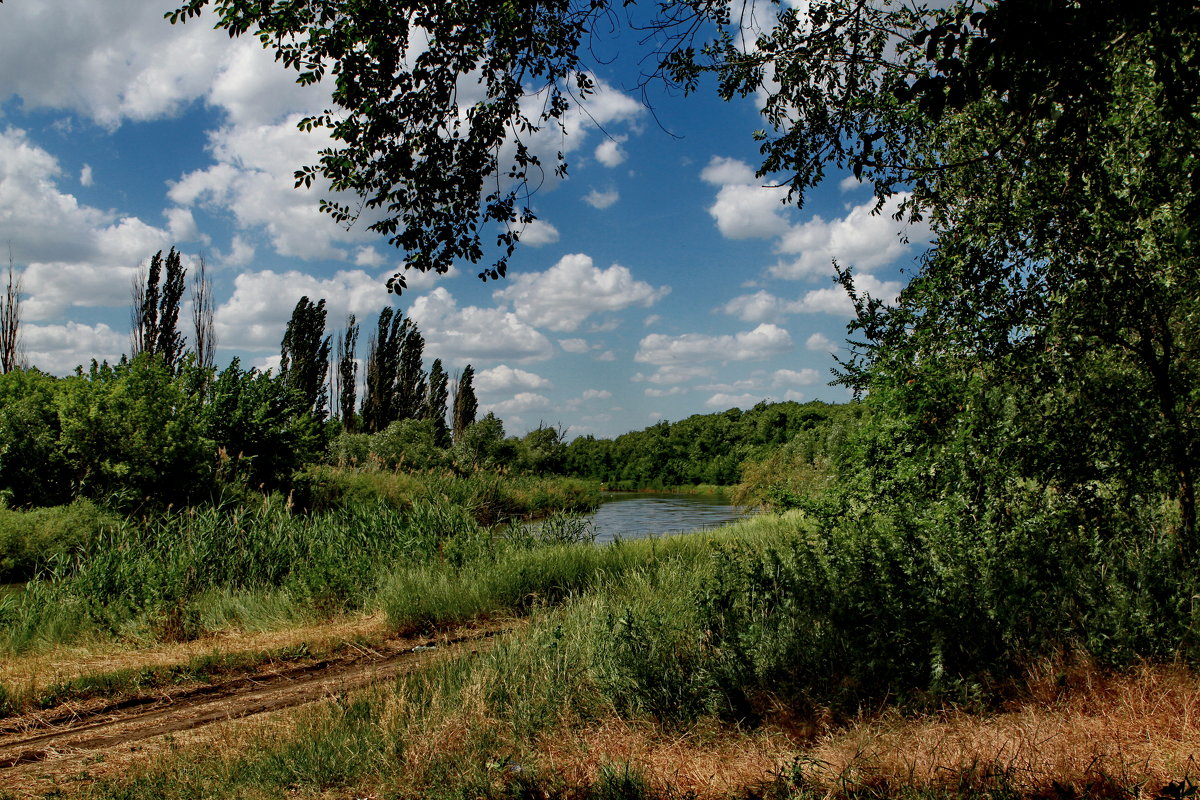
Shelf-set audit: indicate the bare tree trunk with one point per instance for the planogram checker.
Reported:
(10, 322)
(203, 317)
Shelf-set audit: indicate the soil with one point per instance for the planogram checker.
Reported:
(51, 748)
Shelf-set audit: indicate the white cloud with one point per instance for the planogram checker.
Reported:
(651, 320)
(743, 208)
(849, 183)
(725, 171)
(674, 390)
(94, 58)
(859, 239)
(538, 233)
(609, 152)
(791, 377)
(85, 176)
(607, 355)
(721, 400)
(758, 307)
(573, 345)
(671, 374)
(256, 314)
(369, 257)
(794, 396)
(74, 255)
(565, 295)
(241, 253)
(763, 342)
(470, 334)
(519, 403)
(58, 349)
(820, 343)
(596, 394)
(182, 225)
(505, 379)
(601, 200)
(834, 300)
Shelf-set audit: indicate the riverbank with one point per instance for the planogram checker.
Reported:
(638, 676)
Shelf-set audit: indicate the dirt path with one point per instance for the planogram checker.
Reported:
(43, 747)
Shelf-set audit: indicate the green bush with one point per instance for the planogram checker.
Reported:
(31, 541)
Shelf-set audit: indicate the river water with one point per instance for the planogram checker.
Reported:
(636, 515)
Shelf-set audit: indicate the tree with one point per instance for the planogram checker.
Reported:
(347, 373)
(436, 395)
(465, 404)
(304, 357)
(410, 373)
(423, 159)
(10, 322)
(383, 362)
(156, 296)
(203, 322)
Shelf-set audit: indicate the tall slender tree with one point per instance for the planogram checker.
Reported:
(436, 395)
(383, 362)
(203, 317)
(347, 373)
(10, 322)
(465, 404)
(410, 375)
(156, 296)
(304, 356)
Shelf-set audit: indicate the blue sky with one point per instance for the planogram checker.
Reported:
(662, 279)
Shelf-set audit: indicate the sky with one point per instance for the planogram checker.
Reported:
(662, 278)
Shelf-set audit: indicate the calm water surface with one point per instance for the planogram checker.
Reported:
(635, 515)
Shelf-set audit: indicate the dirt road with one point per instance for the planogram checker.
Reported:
(40, 749)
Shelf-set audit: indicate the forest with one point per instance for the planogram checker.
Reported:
(976, 580)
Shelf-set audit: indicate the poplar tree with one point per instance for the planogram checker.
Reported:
(436, 395)
(203, 318)
(410, 375)
(347, 373)
(383, 362)
(156, 299)
(465, 404)
(304, 357)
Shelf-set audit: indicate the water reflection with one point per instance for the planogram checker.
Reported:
(636, 515)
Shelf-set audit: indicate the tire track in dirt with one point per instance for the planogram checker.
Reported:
(33, 739)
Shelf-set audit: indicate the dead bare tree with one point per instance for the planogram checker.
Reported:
(10, 322)
(203, 317)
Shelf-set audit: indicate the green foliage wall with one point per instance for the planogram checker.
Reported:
(702, 449)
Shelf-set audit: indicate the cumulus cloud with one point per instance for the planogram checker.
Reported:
(674, 390)
(505, 379)
(860, 239)
(596, 394)
(791, 377)
(565, 295)
(820, 343)
(765, 341)
(538, 233)
(607, 355)
(834, 300)
(573, 345)
(722, 400)
(58, 349)
(469, 334)
(760, 306)
(672, 374)
(518, 404)
(609, 152)
(85, 176)
(601, 200)
(256, 314)
(743, 208)
(849, 183)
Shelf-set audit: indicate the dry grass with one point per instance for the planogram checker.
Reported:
(1140, 729)
(706, 761)
(64, 663)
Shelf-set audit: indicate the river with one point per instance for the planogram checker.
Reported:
(636, 515)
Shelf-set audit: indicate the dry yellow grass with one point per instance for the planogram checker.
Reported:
(1140, 729)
